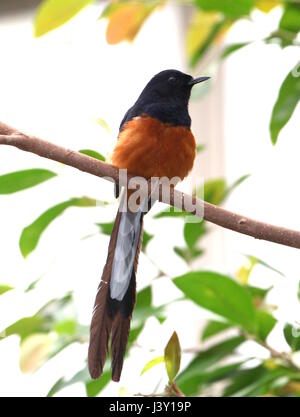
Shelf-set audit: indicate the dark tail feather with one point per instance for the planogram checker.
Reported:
(112, 316)
(102, 321)
(120, 329)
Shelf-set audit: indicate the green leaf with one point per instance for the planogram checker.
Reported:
(292, 336)
(213, 34)
(193, 232)
(266, 323)
(200, 148)
(214, 190)
(298, 293)
(54, 13)
(144, 298)
(81, 376)
(254, 260)
(5, 288)
(93, 388)
(171, 212)
(289, 23)
(106, 228)
(31, 234)
(230, 8)
(221, 295)
(214, 327)
(149, 365)
(21, 180)
(253, 382)
(66, 327)
(147, 237)
(288, 98)
(41, 322)
(172, 357)
(26, 326)
(92, 154)
(257, 293)
(198, 371)
(188, 254)
(233, 186)
(233, 48)
(191, 383)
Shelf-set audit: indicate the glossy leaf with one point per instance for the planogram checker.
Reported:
(199, 370)
(288, 98)
(172, 357)
(266, 323)
(292, 336)
(214, 191)
(54, 13)
(221, 295)
(31, 234)
(214, 327)
(92, 154)
(153, 362)
(21, 180)
(289, 23)
(192, 232)
(230, 8)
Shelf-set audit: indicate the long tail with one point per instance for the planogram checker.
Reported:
(116, 294)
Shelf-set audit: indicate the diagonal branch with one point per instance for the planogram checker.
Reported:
(217, 215)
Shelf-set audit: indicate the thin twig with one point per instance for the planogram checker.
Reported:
(209, 212)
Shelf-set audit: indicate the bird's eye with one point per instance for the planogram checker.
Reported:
(172, 80)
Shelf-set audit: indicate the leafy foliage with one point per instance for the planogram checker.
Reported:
(288, 98)
(54, 13)
(22, 180)
(32, 233)
(241, 309)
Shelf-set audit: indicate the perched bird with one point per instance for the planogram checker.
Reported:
(154, 140)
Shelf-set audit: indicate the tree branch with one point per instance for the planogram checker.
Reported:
(217, 215)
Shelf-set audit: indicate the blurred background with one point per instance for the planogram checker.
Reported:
(72, 86)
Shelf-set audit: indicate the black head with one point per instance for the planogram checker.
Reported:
(166, 98)
(170, 86)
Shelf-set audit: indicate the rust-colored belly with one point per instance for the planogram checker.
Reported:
(150, 148)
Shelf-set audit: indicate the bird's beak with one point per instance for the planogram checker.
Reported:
(198, 80)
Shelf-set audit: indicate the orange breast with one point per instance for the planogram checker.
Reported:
(150, 148)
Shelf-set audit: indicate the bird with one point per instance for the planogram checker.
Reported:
(155, 140)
